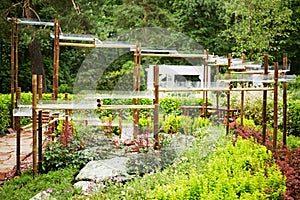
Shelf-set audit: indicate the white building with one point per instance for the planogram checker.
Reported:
(178, 76)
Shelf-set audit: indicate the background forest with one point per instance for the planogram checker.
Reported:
(222, 26)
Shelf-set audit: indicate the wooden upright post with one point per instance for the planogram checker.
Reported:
(40, 128)
(275, 105)
(17, 57)
(34, 125)
(12, 71)
(228, 96)
(264, 109)
(56, 59)
(284, 96)
(18, 139)
(156, 106)
(242, 95)
(134, 111)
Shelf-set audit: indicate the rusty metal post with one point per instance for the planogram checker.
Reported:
(56, 58)
(156, 107)
(284, 96)
(228, 96)
(18, 139)
(12, 71)
(275, 106)
(264, 109)
(34, 125)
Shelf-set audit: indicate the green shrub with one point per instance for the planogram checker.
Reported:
(57, 183)
(242, 171)
(293, 141)
(173, 123)
(170, 106)
(66, 150)
(248, 123)
(294, 118)
(26, 99)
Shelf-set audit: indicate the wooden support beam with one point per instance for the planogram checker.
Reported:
(156, 106)
(275, 106)
(34, 125)
(12, 71)
(284, 96)
(264, 108)
(228, 97)
(18, 136)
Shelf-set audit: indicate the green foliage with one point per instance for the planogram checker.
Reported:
(247, 122)
(212, 169)
(172, 123)
(170, 106)
(293, 141)
(5, 107)
(234, 172)
(66, 150)
(294, 118)
(57, 183)
(58, 156)
(251, 25)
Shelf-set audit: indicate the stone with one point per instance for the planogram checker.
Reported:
(103, 169)
(41, 195)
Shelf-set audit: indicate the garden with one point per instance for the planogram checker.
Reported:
(146, 101)
(197, 161)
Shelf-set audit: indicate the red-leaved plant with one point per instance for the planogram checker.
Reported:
(287, 159)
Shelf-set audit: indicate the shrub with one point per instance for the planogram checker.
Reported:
(172, 123)
(66, 150)
(287, 159)
(234, 172)
(294, 118)
(57, 183)
(170, 106)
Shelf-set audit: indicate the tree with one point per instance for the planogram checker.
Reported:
(256, 26)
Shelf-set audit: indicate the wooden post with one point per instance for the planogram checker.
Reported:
(18, 139)
(66, 99)
(264, 109)
(275, 106)
(206, 81)
(40, 128)
(17, 56)
(284, 96)
(34, 125)
(134, 111)
(12, 71)
(242, 96)
(120, 122)
(40, 140)
(40, 88)
(56, 59)
(156, 106)
(228, 96)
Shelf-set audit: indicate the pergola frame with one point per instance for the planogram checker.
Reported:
(138, 54)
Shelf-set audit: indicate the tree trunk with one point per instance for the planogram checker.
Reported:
(37, 66)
